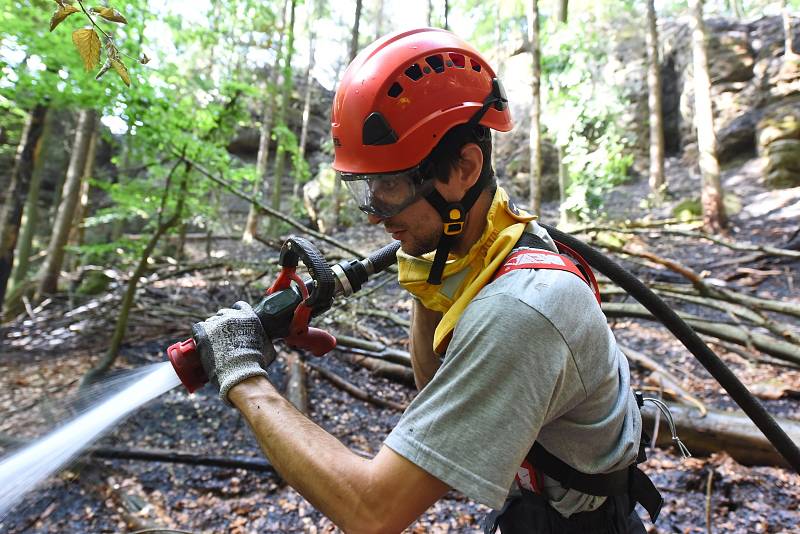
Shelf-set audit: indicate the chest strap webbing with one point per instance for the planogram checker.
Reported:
(630, 480)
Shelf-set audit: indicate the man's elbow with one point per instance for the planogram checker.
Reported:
(371, 519)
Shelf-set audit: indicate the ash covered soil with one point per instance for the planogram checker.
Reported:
(45, 356)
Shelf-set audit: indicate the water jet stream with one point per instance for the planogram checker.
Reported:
(23, 470)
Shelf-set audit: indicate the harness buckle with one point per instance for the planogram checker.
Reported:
(453, 228)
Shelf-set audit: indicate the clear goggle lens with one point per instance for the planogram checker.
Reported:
(386, 195)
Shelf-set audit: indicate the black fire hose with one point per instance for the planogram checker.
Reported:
(738, 392)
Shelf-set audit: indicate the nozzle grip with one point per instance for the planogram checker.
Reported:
(185, 360)
(318, 342)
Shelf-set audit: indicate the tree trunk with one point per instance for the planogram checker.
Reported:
(536, 128)
(788, 53)
(738, 11)
(354, 34)
(654, 105)
(27, 151)
(337, 180)
(312, 38)
(430, 13)
(25, 244)
(77, 233)
(563, 187)
(379, 19)
(563, 11)
(51, 268)
(286, 98)
(265, 133)
(714, 217)
(446, 15)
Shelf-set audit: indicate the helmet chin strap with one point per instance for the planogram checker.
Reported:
(453, 216)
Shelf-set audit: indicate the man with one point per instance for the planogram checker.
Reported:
(501, 361)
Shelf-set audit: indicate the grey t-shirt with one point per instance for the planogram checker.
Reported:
(531, 358)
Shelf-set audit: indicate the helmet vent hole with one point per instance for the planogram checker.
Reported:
(414, 72)
(457, 60)
(395, 90)
(476, 66)
(436, 62)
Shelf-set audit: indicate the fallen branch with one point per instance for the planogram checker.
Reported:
(376, 350)
(778, 306)
(354, 390)
(732, 432)
(733, 245)
(393, 317)
(393, 371)
(666, 380)
(766, 344)
(166, 456)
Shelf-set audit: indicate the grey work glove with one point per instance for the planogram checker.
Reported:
(233, 347)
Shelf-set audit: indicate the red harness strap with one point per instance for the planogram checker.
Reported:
(534, 258)
(527, 476)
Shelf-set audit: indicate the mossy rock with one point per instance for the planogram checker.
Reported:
(94, 283)
(784, 154)
(782, 178)
(782, 164)
(732, 202)
(690, 208)
(782, 122)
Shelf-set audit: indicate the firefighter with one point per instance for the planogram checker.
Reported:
(524, 400)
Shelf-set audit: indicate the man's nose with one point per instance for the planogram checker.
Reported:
(374, 219)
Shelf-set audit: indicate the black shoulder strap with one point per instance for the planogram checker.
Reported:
(533, 241)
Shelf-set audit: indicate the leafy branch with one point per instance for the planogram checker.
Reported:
(87, 41)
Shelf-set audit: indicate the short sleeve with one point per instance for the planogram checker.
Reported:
(506, 372)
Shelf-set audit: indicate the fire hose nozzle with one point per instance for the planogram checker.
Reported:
(186, 361)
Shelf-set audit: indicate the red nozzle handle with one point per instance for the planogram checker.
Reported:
(186, 362)
(318, 342)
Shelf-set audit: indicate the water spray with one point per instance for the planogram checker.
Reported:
(291, 302)
(284, 312)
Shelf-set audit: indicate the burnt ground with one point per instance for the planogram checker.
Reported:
(41, 366)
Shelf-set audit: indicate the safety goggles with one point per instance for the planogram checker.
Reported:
(387, 194)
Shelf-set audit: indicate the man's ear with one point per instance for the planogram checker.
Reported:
(470, 165)
(463, 175)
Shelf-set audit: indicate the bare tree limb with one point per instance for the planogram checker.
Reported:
(354, 390)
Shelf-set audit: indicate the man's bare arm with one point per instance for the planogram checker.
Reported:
(384, 494)
(424, 361)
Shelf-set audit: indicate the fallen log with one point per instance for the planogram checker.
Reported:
(732, 432)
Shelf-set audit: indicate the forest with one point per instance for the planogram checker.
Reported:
(157, 156)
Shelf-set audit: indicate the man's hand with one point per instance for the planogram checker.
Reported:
(233, 347)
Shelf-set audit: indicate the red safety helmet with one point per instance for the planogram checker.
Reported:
(400, 95)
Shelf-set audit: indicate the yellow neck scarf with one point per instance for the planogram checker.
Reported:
(464, 276)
